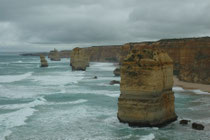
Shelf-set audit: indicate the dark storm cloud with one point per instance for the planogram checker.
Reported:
(35, 23)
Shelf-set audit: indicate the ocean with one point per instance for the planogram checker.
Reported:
(55, 103)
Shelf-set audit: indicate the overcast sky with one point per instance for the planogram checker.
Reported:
(36, 25)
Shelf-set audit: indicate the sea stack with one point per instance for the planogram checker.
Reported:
(79, 59)
(146, 97)
(43, 61)
(54, 55)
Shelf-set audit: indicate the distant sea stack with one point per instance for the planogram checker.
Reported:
(146, 97)
(54, 55)
(43, 61)
(79, 59)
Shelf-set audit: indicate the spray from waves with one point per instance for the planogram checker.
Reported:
(14, 78)
(148, 137)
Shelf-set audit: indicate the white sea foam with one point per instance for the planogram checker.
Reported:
(15, 92)
(148, 137)
(178, 89)
(18, 118)
(102, 66)
(14, 78)
(196, 91)
(107, 84)
(96, 92)
(37, 101)
(59, 78)
(66, 103)
(19, 61)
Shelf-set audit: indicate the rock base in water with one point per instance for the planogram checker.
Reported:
(197, 126)
(113, 82)
(146, 97)
(184, 122)
(43, 61)
(117, 72)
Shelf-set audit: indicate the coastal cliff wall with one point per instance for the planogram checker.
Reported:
(191, 56)
(146, 97)
(104, 53)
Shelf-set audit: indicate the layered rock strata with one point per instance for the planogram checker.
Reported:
(43, 61)
(191, 56)
(79, 59)
(146, 97)
(54, 55)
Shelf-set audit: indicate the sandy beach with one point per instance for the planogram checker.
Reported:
(187, 85)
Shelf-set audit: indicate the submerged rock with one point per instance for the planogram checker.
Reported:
(184, 122)
(43, 61)
(146, 97)
(117, 72)
(197, 126)
(54, 55)
(79, 59)
(95, 77)
(114, 82)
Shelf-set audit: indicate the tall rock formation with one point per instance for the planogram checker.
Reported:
(79, 59)
(54, 55)
(43, 61)
(146, 97)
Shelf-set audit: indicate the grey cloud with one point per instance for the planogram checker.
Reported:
(35, 23)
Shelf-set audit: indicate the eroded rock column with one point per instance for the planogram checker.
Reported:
(43, 61)
(146, 97)
(54, 55)
(79, 59)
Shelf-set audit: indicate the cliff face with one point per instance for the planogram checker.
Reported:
(191, 56)
(54, 55)
(103, 53)
(43, 61)
(146, 97)
(79, 59)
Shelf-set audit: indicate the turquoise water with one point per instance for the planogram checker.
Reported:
(55, 103)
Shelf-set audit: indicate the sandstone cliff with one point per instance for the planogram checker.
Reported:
(191, 56)
(54, 55)
(79, 59)
(43, 61)
(103, 53)
(146, 97)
